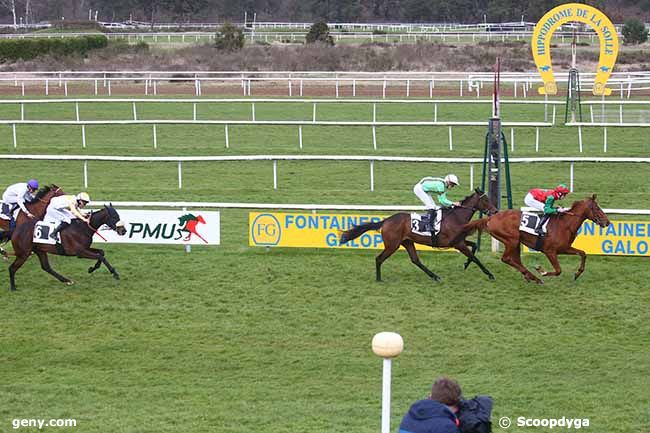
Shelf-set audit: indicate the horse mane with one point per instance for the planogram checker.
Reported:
(43, 191)
(577, 202)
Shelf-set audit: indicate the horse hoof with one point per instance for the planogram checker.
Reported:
(492, 277)
(90, 270)
(68, 283)
(116, 276)
(436, 279)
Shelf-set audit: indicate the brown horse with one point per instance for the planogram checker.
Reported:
(36, 207)
(75, 241)
(396, 231)
(562, 231)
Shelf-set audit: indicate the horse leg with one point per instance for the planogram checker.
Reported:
(472, 258)
(389, 249)
(98, 263)
(45, 265)
(552, 257)
(99, 256)
(512, 257)
(469, 260)
(583, 259)
(13, 268)
(415, 259)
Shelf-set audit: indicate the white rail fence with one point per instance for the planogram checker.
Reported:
(311, 207)
(179, 160)
(411, 83)
(300, 123)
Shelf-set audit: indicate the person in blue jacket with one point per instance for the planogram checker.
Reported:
(436, 414)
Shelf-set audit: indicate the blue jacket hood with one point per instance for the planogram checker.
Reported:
(429, 416)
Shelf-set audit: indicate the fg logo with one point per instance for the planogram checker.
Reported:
(265, 230)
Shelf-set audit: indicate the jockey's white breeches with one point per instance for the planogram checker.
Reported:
(424, 197)
(58, 216)
(531, 202)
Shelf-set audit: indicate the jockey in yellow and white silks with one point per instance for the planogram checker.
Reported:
(64, 209)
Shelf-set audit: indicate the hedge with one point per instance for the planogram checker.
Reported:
(26, 49)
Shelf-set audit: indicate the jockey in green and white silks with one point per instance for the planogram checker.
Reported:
(429, 187)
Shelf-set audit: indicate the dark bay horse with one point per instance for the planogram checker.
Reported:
(75, 241)
(396, 231)
(36, 207)
(562, 231)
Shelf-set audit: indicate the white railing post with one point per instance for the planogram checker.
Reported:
(372, 175)
(300, 135)
(553, 121)
(435, 112)
(47, 87)
(537, 139)
(155, 137)
(471, 177)
(383, 90)
(83, 136)
(408, 88)
(65, 88)
(180, 175)
(135, 112)
(313, 116)
(109, 88)
(253, 111)
(13, 129)
(571, 177)
(85, 174)
(580, 138)
(451, 142)
(337, 88)
(227, 139)
(512, 139)
(354, 87)
(275, 174)
(374, 137)
(605, 139)
(76, 110)
(301, 87)
(96, 88)
(22, 111)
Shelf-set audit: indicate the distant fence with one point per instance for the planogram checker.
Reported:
(312, 207)
(179, 160)
(410, 83)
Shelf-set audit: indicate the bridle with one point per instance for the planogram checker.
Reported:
(475, 208)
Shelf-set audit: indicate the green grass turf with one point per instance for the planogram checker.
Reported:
(234, 339)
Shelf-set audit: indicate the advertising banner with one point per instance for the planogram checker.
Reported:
(165, 227)
(310, 230)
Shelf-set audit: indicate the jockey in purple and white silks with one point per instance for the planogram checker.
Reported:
(15, 197)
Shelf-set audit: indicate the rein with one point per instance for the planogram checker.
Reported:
(95, 230)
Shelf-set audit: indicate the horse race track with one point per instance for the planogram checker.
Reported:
(240, 339)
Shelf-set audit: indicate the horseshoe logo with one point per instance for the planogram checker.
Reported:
(594, 18)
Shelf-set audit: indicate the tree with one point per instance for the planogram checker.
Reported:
(634, 32)
(11, 5)
(229, 38)
(319, 32)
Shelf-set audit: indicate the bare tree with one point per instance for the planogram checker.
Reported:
(11, 5)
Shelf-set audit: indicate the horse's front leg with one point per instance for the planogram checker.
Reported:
(472, 245)
(98, 263)
(583, 259)
(472, 258)
(90, 254)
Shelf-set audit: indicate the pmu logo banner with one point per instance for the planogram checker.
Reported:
(620, 238)
(165, 227)
(310, 230)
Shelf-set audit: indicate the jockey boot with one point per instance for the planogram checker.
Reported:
(432, 227)
(541, 223)
(58, 229)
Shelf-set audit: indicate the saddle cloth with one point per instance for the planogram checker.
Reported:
(42, 232)
(529, 222)
(421, 225)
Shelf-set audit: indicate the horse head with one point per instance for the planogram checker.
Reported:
(109, 216)
(595, 213)
(480, 201)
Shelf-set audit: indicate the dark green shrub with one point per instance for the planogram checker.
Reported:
(76, 25)
(229, 38)
(319, 32)
(634, 32)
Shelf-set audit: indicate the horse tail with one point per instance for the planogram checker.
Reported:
(5, 236)
(480, 225)
(357, 231)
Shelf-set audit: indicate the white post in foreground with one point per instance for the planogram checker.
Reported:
(388, 345)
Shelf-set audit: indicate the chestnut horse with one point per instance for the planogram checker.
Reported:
(561, 232)
(36, 207)
(396, 231)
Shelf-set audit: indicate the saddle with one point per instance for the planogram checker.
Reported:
(529, 222)
(422, 224)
